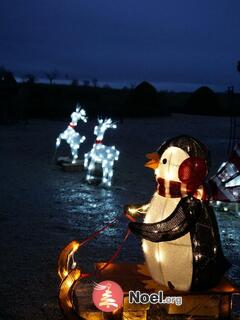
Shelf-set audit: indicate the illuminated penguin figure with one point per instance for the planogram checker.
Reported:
(181, 242)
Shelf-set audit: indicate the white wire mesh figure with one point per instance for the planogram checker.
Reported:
(102, 154)
(73, 138)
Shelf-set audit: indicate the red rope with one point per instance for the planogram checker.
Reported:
(96, 233)
(115, 254)
(130, 218)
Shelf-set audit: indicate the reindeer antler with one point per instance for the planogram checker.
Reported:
(78, 107)
(108, 121)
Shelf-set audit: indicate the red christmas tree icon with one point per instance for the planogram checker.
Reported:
(107, 300)
(107, 296)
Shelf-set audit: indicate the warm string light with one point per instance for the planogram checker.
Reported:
(66, 293)
(66, 261)
(101, 154)
(134, 211)
(73, 138)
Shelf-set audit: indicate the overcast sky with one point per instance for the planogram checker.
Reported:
(129, 40)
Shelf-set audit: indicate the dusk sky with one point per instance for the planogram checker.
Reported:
(176, 41)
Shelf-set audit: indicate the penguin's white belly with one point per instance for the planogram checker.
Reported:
(170, 261)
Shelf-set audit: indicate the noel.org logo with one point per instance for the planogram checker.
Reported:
(107, 296)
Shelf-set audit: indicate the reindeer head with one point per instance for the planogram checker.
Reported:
(103, 125)
(79, 114)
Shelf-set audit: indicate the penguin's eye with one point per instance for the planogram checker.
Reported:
(164, 161)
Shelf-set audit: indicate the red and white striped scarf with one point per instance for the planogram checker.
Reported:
(176, 189)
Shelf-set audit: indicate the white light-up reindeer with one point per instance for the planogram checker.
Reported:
(73, 138)
(102, 154)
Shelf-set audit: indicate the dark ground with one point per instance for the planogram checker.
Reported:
(43, 208)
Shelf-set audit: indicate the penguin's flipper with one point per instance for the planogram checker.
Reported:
(175, 226)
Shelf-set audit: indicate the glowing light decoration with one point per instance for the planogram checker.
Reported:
(179, 219)
(73, 138)
(101, 154)
(227, 180)
(69, 275)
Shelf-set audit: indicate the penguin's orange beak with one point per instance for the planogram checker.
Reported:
(154, 160)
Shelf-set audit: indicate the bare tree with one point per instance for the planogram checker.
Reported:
(74, 82)
(132, 85)
(30, 78)
(51, 75)
(86, 83)
(238, 66)
(6, 76)
(94, 82)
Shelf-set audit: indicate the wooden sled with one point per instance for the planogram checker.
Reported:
(75, 294)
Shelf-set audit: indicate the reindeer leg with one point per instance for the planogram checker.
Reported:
(110, 175)
(86, 158)
(91, 168)
(105, 169)
(74, 151)
(58, 141)
(110, 172)
(116, 155)
(83, 138)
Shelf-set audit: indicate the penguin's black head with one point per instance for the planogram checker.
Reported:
(183, 158)
(193, 147)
